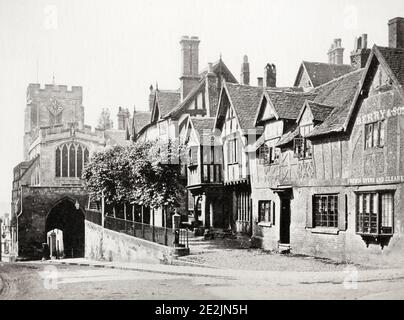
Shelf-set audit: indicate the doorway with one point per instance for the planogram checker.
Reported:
(284, 226)
(64, 216)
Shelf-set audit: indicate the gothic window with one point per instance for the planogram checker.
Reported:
(65, 159)
(57, 162)
(70, 159)
(79, 160)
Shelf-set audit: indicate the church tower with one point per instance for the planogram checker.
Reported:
(54, 106)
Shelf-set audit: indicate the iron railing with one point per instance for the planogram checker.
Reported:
(160, 235)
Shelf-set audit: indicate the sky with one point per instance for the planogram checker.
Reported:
(115, 49)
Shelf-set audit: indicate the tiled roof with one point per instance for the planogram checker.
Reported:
(339, 94)
(140, 119)
(213, 93)
(24, 166)
(288, 104)
(245, 100)
(321, 73)
(320, 111)
(220, 68)
(395, 59)
(167, 101)
(203, 124)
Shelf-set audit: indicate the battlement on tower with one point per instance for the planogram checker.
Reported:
(36, 88)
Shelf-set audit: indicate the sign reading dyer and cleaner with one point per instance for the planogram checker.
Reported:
(377, 180)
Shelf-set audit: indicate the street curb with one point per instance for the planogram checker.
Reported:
(1, 285)
(190, 274)
(326, 277)
(185, 263)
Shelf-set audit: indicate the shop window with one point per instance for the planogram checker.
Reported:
(325, 211)
(374, 213)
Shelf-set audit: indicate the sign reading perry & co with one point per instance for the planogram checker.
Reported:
(380, 115)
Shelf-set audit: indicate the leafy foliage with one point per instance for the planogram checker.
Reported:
(145, 173)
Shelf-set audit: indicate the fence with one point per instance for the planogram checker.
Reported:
(93, 216)
(160, 235)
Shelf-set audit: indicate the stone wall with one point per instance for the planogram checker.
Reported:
(105, 244)
(37, 203)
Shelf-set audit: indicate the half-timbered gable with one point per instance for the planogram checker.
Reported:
(236, 124)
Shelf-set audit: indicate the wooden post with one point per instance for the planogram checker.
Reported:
(153, 226)
(165, 225)
(102, 210)
(142, 209)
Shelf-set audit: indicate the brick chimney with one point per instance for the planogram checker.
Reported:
(270, 75)
(336, 53)
(190, 64)
(396, 33)
(260, 82)
(245, 71)
(123, 118)
(361, 53)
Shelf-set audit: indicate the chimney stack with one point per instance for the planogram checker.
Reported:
(123, 118)
(190, 64)
(396, 33)
(260, 82)
(245, 71)
(336, 53)
(361, 53)
(270, 75)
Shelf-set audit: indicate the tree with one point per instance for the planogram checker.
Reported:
(104, 120)
(146, 173)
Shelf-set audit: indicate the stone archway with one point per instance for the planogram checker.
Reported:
(66, 217)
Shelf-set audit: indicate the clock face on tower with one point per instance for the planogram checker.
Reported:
(55, 107)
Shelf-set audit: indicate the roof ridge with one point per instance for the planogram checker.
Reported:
(168, 91)
(390, 48)
(337, 79)
(329, 64)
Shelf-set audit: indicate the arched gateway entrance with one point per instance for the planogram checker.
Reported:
(66, 217)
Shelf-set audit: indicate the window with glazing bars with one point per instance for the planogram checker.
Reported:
(325, 211)
(374, 213)
(374, 134)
